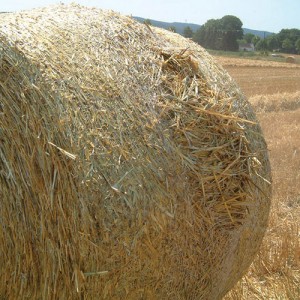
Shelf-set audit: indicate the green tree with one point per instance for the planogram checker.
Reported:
(220, 34)
(261, 45)
(172, 28)
(208, 35)
(297, 45)
(255, 40)
(188, 32)
(242, 42)
(287, 45)
(199, 36)
(248, 37)
(287, 39)
(231, 32)
(272, 42)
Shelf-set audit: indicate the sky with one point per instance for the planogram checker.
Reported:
(265, 15)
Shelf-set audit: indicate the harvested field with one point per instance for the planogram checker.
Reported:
(256, 80)
(263, 77)
(246, 62)
(275, 274)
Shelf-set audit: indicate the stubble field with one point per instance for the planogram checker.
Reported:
(274, 91)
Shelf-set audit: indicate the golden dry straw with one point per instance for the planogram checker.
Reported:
(290, 59)
(131, 165)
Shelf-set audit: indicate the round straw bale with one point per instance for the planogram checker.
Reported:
(131, 165)
(290, 59)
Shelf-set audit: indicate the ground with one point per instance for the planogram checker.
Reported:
(274, 90)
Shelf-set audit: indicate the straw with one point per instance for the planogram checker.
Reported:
(131, 165)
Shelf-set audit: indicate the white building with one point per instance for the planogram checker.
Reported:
(247, 47)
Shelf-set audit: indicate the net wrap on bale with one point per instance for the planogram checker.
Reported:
(131, 165)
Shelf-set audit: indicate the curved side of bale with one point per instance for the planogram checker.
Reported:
(131, 165)
(33, 172)
(247, 166)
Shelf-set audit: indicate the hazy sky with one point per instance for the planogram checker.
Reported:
(269, 15)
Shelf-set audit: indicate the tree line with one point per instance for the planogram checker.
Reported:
(286, 41)
(227, 34)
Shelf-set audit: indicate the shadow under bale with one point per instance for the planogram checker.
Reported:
(131, 165)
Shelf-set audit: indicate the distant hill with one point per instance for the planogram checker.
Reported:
(259, 33)
(180, 27)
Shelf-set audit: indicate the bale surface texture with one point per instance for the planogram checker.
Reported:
(290, 59)
(131, 165)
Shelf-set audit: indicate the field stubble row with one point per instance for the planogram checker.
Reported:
(266, 80)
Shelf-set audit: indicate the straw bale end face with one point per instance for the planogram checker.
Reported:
(131, 165)
(290, 59)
